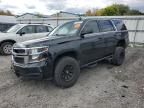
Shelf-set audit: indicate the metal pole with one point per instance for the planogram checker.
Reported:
(29, 21)
(43, 21)
(57, 18)
(136, 31)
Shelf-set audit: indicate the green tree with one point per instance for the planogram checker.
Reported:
(113, 10)
(116, 9)
(123, 9)
(110, 11)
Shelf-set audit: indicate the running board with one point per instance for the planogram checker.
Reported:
(94, 62)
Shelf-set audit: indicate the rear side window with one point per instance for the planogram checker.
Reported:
(41, 29)
(117, 23)
(91, 26)
(105, 25)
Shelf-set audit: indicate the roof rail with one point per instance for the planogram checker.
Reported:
(29, 21)
(33, 23)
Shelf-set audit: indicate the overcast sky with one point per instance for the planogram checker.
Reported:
(48, 7)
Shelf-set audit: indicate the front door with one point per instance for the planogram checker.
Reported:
(28, 33)
(92, 44)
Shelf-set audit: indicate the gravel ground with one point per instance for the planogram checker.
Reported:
(101, 86)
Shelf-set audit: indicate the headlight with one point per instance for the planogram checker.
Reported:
(38, 54)
(37, 50)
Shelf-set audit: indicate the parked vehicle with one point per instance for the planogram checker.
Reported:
(70, 47)
(20, 33)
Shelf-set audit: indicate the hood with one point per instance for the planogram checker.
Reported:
(47, 41)
(5, 34)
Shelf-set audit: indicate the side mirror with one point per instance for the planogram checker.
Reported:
(22, 33)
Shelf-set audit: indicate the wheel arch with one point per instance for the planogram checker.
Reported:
(73, 54)
(8, 40)
(121, 43)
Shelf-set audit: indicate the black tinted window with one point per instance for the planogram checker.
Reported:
(91, 27)
(41, 29)
(105, 25)
(28, 29)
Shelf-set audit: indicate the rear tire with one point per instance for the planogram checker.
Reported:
(5, 48)
(67, 72)
(118, 56)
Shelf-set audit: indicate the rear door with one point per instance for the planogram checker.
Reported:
(109, 32)
(92, 44)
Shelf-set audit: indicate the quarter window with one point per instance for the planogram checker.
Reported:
(105, 25)
(120, 25)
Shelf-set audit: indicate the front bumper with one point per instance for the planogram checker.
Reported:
(40, 70)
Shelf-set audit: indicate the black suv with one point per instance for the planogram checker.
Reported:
(70, 47)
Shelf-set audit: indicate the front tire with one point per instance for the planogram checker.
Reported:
(67, 72)
(5, 48)
(118, 56)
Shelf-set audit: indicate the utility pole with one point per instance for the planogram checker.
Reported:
(57, 18)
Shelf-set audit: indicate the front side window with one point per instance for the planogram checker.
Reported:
(105, 25)
(28, 29)
(90, 27)
(67, 29)
(41, 29)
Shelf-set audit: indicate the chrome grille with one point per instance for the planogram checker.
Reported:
(20, 55)
(19, 51)
(19, 60)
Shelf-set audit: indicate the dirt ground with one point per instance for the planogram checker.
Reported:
(102, 86)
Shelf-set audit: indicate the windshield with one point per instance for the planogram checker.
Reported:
(70, 28)
(13, 29)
